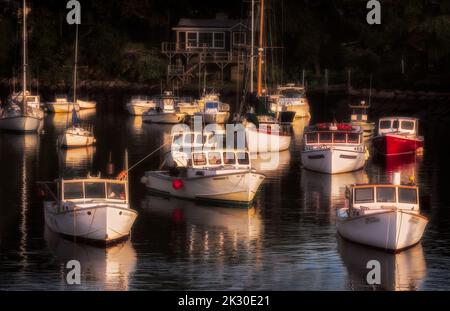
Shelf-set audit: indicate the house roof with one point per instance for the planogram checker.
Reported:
(209, 23)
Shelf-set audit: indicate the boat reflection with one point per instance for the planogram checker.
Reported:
(298, 126)
(399, 272)
(61, 120)
(108, 268)
(271, 163)
(408, 165)
(134, 125)
(76, 161)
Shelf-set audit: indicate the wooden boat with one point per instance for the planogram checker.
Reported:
(398, 136)
(222, 176)
(92, 208)
(359, 117)
(333, 148)
(385, 216)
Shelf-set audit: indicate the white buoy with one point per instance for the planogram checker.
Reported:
(396, 178)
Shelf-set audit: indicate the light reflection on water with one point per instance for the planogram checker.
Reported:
(285, 241)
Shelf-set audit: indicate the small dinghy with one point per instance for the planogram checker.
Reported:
(224, 176)
(385, 216)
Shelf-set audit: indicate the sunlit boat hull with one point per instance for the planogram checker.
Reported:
(62, 107)
(391, 144)
(139, 109)
(68, 140)
(20, 123)
(163, 117)
(391, 230)
(333, 160)
(260, 141)
(236, 188)
(189, 109)
(86, 104)
(103, 223)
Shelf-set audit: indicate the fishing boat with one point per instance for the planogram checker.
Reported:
(19, 117)
(385, 216)
(333, 148)
(62, 105)
(214, 111)
(292, 98)
(398, 136)
(359, 117)
(221, 176)
(86, 104)
(164, 112)
(140, 104)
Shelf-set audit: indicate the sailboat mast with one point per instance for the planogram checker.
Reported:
(24, 61)
(252, 48)
(261, 48)
(75, 68)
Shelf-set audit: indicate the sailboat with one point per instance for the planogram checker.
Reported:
(19, 117)
(76, 135)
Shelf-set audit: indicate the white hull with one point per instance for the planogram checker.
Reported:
(86, 104)
(69, 140)
(260, 141)
(218, 118)
(163, 117)
(139, 109)
(333, 160)
(238, 188)
(103, 223)
(392, 230)
(189, 109)
(20, 124)
(62, 107)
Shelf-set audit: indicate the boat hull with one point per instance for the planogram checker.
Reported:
(391, 144)
(391, 230)
(236, 188)
(98, 223)
(138, 110)
(20, 124)
(86, 104)
(259, 141)
(166, 118)
(68, 140)
(218, 118)
(333, 160)
(62, 107)
(189, 110)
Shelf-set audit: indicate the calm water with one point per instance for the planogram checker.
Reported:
(285, 241)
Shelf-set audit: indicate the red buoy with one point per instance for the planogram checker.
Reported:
(177, 184)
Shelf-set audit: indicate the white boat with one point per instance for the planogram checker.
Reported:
(214, 111)
(32, 102)
(86, 104)
(165, 112)
(140, 104)
(188, 107)
(92, 209)
(266, 138)
(333, 148)
(76, 136)
(62, 105)
(221, 176)
(359, 117)
(291, 97)
(385, 216)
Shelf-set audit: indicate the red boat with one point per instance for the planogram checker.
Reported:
(398, 136)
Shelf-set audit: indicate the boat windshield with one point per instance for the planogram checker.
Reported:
(214, 158)
(359, 111)
(212, 105)
(243, 158)
(364, 195)
(293, 93)
(73, 191)
(407, 195)
(229, 158)
(386, 194)
(116, 191)
(94, 190)
(407, 125)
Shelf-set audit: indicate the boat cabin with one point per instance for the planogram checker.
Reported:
(359, 112)
(215, 107)
(398, 125)
(220, 159)
(187, 141)
(330, 134)
(81, 190)
(383, 196)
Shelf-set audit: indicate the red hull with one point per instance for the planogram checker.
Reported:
(396, 144)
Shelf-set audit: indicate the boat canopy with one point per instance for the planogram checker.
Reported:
(394, 194)
(326, 133)
(398, 125)
(94, 189)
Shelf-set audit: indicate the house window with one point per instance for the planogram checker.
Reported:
(219, 40)
(239, 38)
(205, 39)
(192, 39)
(181, 40)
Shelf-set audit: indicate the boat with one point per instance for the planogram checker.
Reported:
(19, 117)
(214, 111)
(385, 216)
(93, 209)
(291, 98)
(188, 106)
(33, 103)
(140, 104)
(164, 112)
(333, 148)
(86, 104)
(398, 136)
(62, 105)
(221, 176)
(359, 117)
(268, 137)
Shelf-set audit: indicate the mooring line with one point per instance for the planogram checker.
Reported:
(147, 156)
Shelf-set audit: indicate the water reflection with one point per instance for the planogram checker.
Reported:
(272, 164)
(402, 271)
(75, 162)
(105, 269)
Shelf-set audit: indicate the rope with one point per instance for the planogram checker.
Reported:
(147, 156)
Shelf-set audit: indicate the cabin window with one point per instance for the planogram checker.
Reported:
(212, 105)
(339, 138)
(407, 195)
(312, 138)
(219, 40)
(94, 190)
(353, 138)
(386, 194)
(200, 139)
(192, 39)
(243, 158)
(239, 38)
(407, 125)
(364, 195)
(116, 191)
(73, 191)
(395, 124)
(199, 159)
(214, 158)
(229, 158)
(205, 39)
(189, 138)
(177, 139)
(384, 125)
(325, 137)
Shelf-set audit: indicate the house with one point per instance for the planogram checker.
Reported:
(213, 45)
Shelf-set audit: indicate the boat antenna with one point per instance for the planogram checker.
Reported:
(24, 61)
(261, 49)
